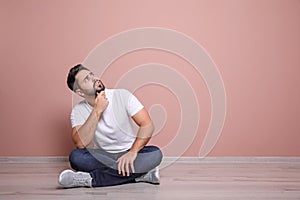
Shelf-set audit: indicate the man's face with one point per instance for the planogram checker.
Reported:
(87, 83)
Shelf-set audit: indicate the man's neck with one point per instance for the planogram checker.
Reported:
(90, 100)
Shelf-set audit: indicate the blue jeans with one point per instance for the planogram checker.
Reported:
(103, 167)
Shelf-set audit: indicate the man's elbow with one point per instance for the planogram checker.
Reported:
(76, 140)
(79, 144)
(151, 127)
(146, 130)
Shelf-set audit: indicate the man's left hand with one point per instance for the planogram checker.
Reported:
(126, 162)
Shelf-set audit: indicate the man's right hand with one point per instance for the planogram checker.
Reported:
(101, 103)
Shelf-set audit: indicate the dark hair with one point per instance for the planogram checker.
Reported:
(72, 73)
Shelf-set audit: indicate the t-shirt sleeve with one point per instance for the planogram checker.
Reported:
(77, 119)
(134, 105)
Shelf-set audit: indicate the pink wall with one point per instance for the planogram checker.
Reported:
(255, 44)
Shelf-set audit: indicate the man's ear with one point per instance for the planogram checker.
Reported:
(79, 92)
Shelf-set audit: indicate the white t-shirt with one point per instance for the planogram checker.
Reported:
(114, 132)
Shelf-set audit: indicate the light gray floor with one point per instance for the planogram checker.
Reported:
(181, 180)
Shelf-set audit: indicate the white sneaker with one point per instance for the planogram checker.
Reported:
(151, 177)
(70, 179)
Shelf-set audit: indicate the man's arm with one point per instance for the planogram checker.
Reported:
(143, 120)
(83, 135)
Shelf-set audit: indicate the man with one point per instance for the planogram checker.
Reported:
(108, 151)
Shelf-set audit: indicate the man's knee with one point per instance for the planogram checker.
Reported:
(156, 155)
(76, 158)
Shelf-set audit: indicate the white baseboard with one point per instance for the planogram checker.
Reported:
(233, 159)
(33, 159)
(166, 159)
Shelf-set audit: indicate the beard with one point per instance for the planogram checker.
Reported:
(98, 87)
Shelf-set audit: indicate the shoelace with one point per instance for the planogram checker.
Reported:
(80, 178)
